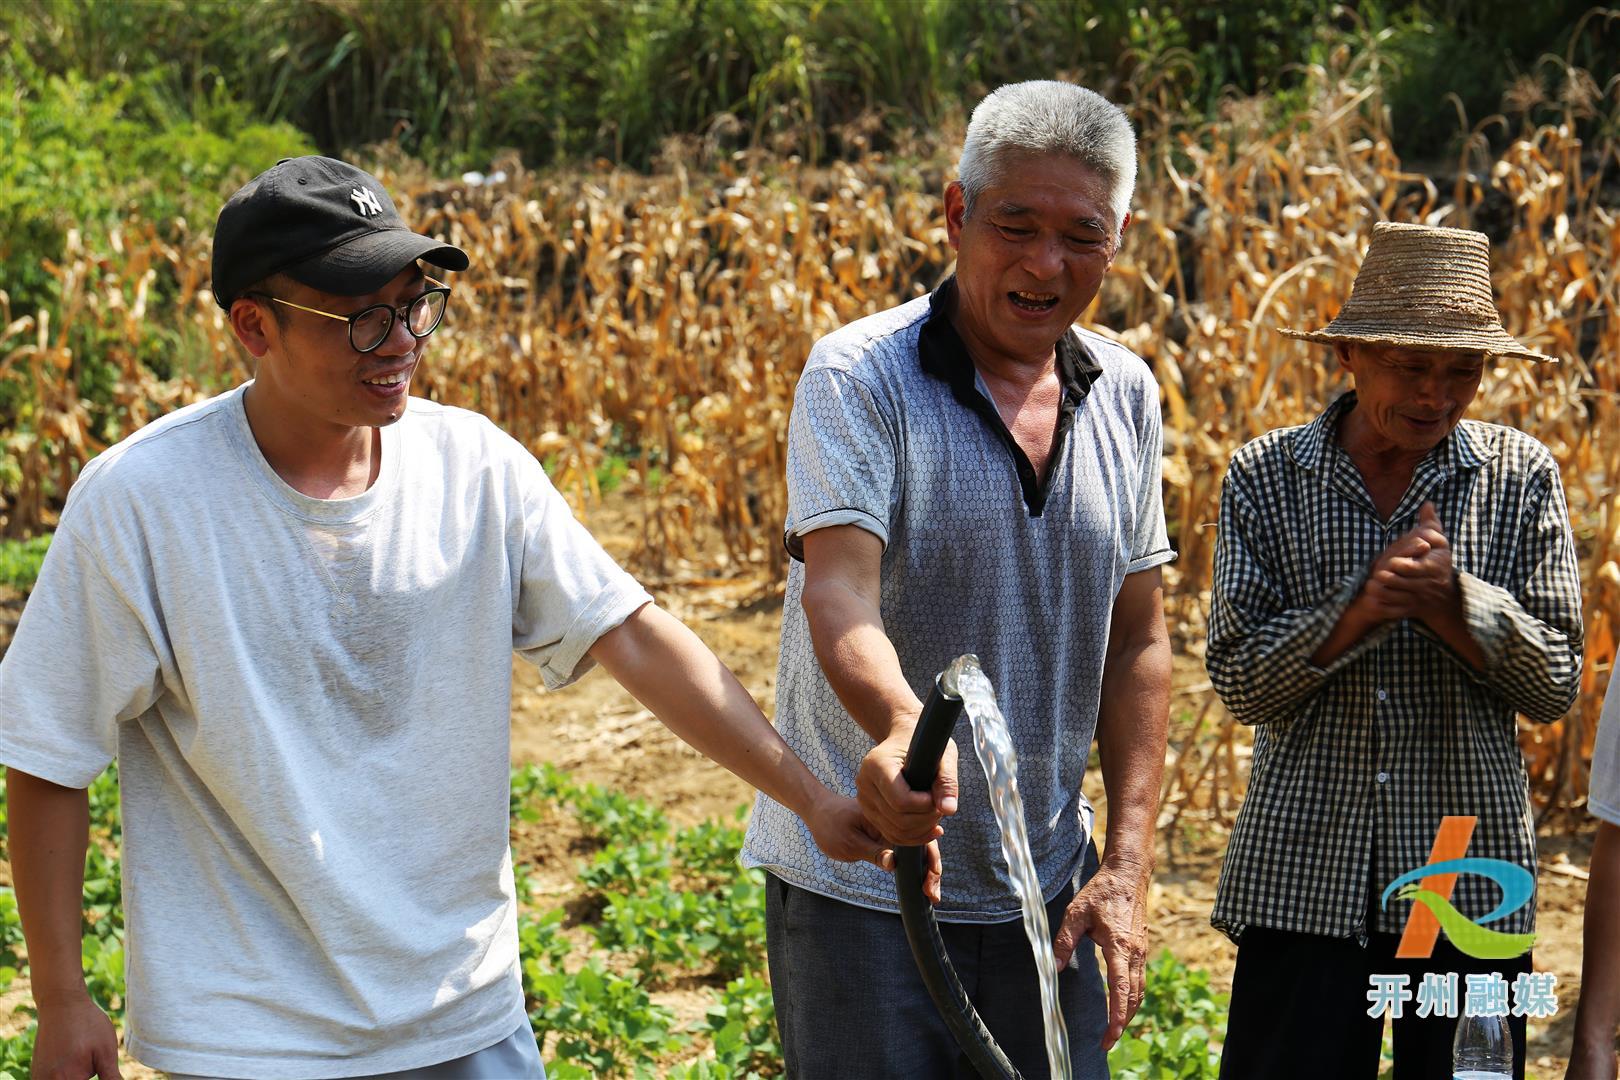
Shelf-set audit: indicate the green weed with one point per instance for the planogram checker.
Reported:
(603, 1022)
(677, 902)
(17, 1054)
(743, 1027)
(20, 560)
(1172, 1034)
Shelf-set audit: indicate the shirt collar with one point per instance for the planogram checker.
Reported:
(944, 354)
(1463, 448)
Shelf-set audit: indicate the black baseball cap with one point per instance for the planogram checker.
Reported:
(321, 222)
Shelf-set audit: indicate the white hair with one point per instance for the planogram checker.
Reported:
(1048, 117)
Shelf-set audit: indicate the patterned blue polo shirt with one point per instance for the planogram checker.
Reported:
(894, 431)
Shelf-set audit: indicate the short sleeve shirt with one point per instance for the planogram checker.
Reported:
(1603, 797)
(310, 702)
(893, 431)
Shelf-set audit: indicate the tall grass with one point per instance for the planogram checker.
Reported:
(456, 82)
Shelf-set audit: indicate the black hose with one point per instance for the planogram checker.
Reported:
(934, 728)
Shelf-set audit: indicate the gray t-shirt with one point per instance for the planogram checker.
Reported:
(310, 704)
(1603, 796)
(893, 431)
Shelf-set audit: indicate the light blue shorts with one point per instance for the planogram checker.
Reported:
(515, 1057)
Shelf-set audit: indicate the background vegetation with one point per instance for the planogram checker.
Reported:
(455, 83)
(667, 202)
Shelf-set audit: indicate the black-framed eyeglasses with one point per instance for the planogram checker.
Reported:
(370, 327)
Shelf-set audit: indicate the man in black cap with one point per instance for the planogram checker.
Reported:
(289, 611)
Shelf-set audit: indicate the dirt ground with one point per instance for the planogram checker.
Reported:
(599, 733)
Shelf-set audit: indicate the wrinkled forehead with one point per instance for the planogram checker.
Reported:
(1406, 356)
(1023, 179)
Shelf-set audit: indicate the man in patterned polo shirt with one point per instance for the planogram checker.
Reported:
(969, 473)
(1393, 585)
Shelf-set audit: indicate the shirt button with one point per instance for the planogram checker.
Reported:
(1383, 695)
(1383, 778)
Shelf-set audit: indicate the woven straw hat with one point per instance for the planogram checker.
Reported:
(1423, 287)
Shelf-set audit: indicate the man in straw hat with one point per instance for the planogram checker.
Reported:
(290, 613)
(1393, 585)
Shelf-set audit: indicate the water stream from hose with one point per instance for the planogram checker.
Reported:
(993, 744)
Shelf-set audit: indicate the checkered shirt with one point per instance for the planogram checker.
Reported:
(1355, 764)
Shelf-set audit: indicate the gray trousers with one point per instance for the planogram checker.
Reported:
(851, 1005)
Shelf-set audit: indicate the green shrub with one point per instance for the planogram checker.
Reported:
(1171, 1036)
(92, 153)
(454, 83)
(603, 1022)
(20, 560)
(87, 158)
(742, 1025)
(17, 1054)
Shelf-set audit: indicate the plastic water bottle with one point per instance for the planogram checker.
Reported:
(1483, 1049)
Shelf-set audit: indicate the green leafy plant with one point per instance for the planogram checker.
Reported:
(615, 817)
(17, 1054)
(1172, 1034)
(667, 927)
(20, 560)
(11, 937)
(633, 866)
(710, 849)
(535, 787)
(603, 1022)
(743, 1027)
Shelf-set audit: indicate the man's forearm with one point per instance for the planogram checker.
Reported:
(1598, 1016)
(49, 835)
(1354, 624)
(859, 659)
(1131, 733)
(667, 668)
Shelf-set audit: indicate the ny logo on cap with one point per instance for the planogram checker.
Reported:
(365, 202)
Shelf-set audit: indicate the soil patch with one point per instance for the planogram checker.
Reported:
(599, 733)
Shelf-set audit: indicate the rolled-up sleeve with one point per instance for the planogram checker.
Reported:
(1150, 544)
(570, 591)
(1533, 641)
(842, 455)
